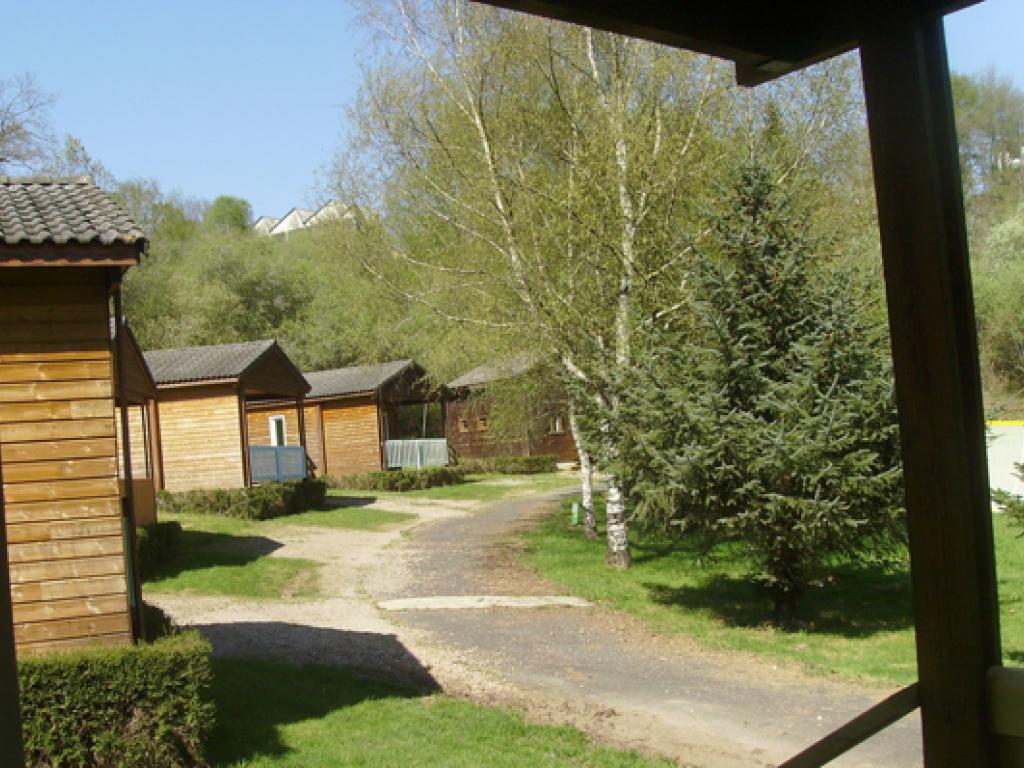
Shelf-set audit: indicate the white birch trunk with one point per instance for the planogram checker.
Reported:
(586, 480)
(617, 554)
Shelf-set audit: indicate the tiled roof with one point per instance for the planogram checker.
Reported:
(495, 370)
(48, 209)
(349, 381)
(220, 361)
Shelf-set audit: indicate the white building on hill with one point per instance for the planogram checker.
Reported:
(302, 218)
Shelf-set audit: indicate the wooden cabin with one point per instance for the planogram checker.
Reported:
(355, 415)
(143, 435)
(470, 428)
(204, 396)
(64, 374)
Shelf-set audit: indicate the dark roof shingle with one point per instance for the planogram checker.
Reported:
(220, 361)
(495, 370)
(349, 381)
(47, 209)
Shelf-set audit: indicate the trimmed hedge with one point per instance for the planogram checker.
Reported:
(402, 479)
(512, 465)
(159, 544)
(139, 706)
(261, 502)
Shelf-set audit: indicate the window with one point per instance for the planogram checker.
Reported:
(481, 423)
(463, 425)
(278, 436)
(557, 426)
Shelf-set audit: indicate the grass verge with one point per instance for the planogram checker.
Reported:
(858, 625)
(225, 556)
(356, 518)
(275, 714)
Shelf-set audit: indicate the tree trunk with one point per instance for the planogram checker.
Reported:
(617, 554)
(586, 479)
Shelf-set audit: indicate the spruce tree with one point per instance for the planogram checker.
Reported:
(768, 414)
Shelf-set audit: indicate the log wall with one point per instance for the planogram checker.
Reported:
(58, 449)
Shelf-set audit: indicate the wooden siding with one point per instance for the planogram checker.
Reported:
(351, 436)
(314, 438)
(200, 438)
(139, 448)
(259, 425)
(59, 454)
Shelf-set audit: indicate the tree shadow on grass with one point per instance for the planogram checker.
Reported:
(256, 692)
(858, 601)
(201, 549)
(341, 502)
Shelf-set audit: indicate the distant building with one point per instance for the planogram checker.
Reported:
(302, 218)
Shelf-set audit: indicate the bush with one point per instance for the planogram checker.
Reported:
(261, 502)
(512, 465)
(140, 706)
(402, 479)
(159, 543)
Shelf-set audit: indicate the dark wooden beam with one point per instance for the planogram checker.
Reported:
(938, 384)
(12, 751)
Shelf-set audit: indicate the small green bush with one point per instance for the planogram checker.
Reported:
(512, 465)
(261, 502)
(402, 479)
(159, 543)
(141, 706)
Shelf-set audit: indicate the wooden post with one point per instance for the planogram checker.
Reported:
(938, 383)
(132, 550)
(243, 416)
(155, 452)
(12, 750)
(302, 431)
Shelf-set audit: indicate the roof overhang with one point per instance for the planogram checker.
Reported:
(72, 254)
(764, 40)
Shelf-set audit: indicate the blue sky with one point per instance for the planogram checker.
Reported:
(249, 98)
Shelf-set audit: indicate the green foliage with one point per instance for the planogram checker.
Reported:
(228, 214)
(768, 414)
(261, 502)
(511, 465)
(402, 479)
(158, 544)
(156, 623)
(141, 706)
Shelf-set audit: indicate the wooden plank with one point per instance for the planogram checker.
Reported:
(43, 648)
(54, 530)
(81, 279)
(27, 392)
(64, 489)
(201, 438)
(56, 430)
(11, 750)
(69, 549)
(70, 469)
(67, 629)
(74, 310)
(56, 370)
(71, 608)
(27, 573)
(40, 352)
(69, 409)
(95, 332)
(68, 509)
(938, 385)
(62, 589)
(51, 450)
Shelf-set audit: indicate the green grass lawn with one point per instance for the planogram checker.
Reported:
(857, 626)
(223, 556)
(358, 518)
(275, 714)
(478, 488)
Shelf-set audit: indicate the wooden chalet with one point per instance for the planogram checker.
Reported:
(203, 397)
(354, 414)
(66, 369)
(969, 702)
(469, 426)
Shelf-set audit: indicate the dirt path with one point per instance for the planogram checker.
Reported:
(584, 666)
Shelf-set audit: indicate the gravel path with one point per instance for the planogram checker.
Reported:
(588, 667)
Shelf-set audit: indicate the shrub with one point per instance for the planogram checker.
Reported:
(512, 465)
(159, 543)
(140, 706)
(261, 502)
(402, 479)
